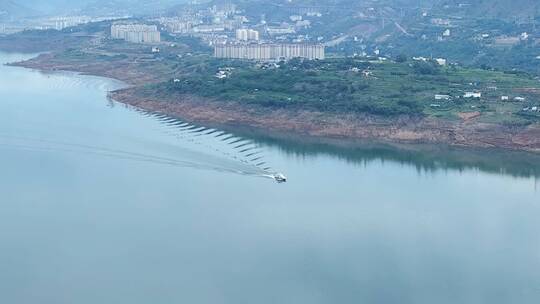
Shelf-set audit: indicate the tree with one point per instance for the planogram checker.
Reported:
(401, 58)
(426, 68)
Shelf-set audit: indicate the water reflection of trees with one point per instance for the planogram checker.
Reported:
(425, 158)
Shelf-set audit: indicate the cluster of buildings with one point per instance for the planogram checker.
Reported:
(54, 22)
(439, 61)
(213, 20)
(227, 23)
(281, 29)
(532, 109)
(3, 29)
(223, 10)
(235, 36)
(178, 25)
(62, 22)
(270, 51)
(247, 35)
(477, 95)
(136, 33)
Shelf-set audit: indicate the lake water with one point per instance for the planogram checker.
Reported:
(101, 203)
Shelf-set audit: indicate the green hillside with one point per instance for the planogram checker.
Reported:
(358, 86)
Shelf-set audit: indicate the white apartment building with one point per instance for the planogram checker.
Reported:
(472, 95)
(176, 25)
(209, 28)
(280, 30)
(61, 23)
(247, 35)
(136, 33)
(270, 51)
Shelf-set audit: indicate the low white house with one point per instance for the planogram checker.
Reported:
(505, 98)
(222, 74)
(440, 61)
(472, 95)
(420, 59)
(442, 97)
(519, 98)
(295, 18)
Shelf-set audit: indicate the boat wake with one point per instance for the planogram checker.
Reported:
(135, 135)
(194, 147)
(224, 146)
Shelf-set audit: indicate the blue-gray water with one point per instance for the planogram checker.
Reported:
(104, 204)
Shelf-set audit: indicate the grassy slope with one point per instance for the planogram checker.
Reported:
(389, 89)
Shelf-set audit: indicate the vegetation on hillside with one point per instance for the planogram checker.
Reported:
(357, 86)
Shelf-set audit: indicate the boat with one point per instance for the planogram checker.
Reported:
(280, 178)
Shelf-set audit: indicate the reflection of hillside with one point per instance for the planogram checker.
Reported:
(426, 158)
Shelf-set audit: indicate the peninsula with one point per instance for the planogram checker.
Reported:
(401, 100)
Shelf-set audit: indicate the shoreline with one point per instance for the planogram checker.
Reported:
(297, 122)
(305, 123)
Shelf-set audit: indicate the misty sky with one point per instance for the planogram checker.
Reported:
(49, 6)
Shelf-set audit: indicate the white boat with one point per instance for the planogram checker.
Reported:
(280, 178)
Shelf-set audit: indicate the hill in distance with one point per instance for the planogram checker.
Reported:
(14, 9)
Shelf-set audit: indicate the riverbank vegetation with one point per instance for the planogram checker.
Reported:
(357, 85)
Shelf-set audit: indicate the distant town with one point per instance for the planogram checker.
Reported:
(258, 30)
(229, 32)
(224, 27)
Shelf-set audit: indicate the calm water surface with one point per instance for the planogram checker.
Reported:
(101, 203)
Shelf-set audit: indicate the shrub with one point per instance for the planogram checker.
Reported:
(401, 58)
(426, 68)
